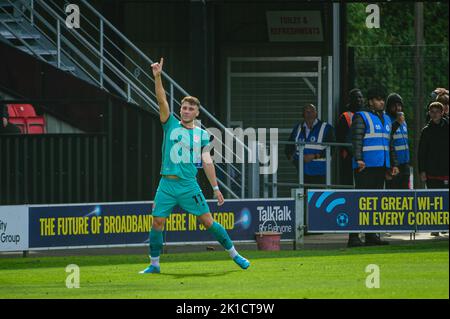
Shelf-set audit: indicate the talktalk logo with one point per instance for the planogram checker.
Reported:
(275, 213)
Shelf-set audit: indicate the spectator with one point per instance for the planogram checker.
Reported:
(5, 126)
(438, 91)
(433, 149)
(399, 134)
(314, 131)
(373, 153)
(356, 103)
(434, 98)
(443, 99)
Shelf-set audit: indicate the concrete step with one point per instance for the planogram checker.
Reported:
(39, 51)
(63, 67)
(9, 18)
(25, 36)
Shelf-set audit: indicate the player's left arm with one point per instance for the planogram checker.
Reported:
(210, 171)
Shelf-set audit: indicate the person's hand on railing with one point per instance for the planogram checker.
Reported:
(390, 173)
(395, 171)
(308, 157)
(361, 166)
(157, 68)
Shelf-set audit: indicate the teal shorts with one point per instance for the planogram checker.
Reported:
(184, 193)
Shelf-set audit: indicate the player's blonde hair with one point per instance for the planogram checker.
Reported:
(191, 100)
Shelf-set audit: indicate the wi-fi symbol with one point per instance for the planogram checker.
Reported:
(331, 206)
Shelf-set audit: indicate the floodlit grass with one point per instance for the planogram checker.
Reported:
(416, 270)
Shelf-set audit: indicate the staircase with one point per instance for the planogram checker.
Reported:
(38, 27)
(20, 32)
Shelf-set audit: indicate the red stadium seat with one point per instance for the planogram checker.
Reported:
(20, 122)
(23, 110)
(11, 111)
(24, 116)
(35, 125)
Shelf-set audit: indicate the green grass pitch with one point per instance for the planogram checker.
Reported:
(413, 270)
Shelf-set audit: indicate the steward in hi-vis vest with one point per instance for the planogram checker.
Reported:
(399, 135)
(373, 152)
(313, 131)
(375, 143)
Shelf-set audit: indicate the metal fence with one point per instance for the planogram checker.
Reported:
(54, 168)
(275, 187)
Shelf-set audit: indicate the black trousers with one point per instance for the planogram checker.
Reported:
(400, 181)
(346, 171)
(369, 178)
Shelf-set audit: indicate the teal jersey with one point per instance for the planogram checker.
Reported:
(181, 149)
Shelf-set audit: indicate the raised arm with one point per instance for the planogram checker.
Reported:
(164, 110)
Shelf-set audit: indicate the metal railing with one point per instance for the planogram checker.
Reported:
(301, 176)
(104, 56)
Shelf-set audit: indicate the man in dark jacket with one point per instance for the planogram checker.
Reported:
(433, 149)
(373, 152)
(399, 135)
(356, 103)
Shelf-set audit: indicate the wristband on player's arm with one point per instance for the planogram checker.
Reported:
(216, 188)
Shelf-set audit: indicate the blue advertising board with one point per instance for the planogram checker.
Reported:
(377, 210)
(129, 223)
